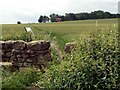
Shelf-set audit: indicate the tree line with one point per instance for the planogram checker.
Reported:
(77, 16)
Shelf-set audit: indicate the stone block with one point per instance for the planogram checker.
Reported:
(20, 60)
(17, 64)
(25, 56)
(30, 52)
(19, 44)
(69, 47)
(2, 43)
(15, 51)
(29, 60)
(8, 45)
(27, 64)
(47, 57)
(38, 45)
(8, 54)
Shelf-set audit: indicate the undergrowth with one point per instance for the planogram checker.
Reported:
(19, 80)
(93, 65)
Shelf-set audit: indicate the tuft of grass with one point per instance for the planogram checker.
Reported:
(27, 36)
(20, 80)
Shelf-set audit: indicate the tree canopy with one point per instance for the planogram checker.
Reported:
(78, 16)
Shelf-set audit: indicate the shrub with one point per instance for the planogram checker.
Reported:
(26, 37)
(18, 22)
(94, 65)
(19, 80)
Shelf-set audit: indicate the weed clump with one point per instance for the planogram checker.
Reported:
(19, 80)
(27, 36)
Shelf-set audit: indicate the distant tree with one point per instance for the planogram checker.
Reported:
(45, 19)
(107, 15)
(18, 22)
(118, 15)
(98, 15)
(78, 16)
(83, 16)
(114, 15)
(40, 20)
(69, 16)
(54, 17)
(62, 18)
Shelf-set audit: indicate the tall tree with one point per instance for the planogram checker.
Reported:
(53, 17)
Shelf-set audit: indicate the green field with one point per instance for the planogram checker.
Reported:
(94, 64)
(72, 29)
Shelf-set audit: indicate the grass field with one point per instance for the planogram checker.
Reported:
(72, 29)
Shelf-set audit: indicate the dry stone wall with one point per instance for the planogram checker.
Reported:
(23, 54)
(69, 47)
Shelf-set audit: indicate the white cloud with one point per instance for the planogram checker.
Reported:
(29, 10)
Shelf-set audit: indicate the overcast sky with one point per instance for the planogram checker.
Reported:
(28, 11)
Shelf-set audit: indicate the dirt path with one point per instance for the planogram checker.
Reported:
(56, 47)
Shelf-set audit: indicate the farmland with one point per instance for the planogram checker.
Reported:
(93, 65)
(74, 28)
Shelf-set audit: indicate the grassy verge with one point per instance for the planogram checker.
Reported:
(19, 80)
